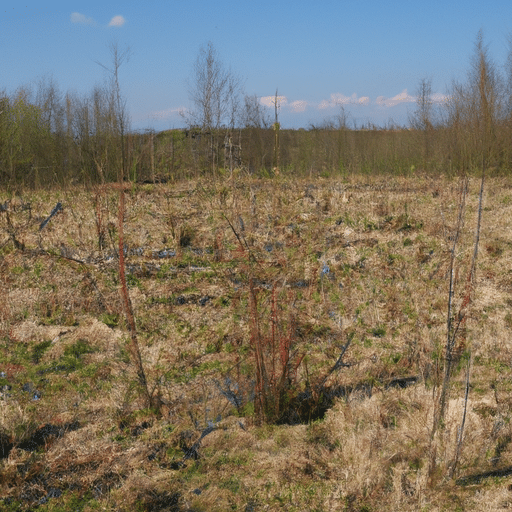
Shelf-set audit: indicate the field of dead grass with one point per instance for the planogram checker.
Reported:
(359, 266)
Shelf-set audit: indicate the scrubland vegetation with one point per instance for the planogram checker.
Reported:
(276, 320)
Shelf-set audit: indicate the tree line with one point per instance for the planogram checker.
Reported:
(50, 138)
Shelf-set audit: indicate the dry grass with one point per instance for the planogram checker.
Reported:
(363, 261)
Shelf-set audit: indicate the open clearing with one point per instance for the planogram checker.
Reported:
(358, 265)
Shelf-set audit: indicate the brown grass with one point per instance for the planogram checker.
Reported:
(386, 245)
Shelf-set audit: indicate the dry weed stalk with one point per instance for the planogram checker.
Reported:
(274, 356)
(12, 230)
(133, 345)
(100, 225)
(276, 361)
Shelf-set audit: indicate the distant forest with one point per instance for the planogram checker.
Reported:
(50, 138)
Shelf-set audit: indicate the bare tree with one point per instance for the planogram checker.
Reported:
(276, 126)
(478, 103)
(487, 90)
(422, 119)
(474, 110)
(49, 100)
(256, 121)
(255, 115)
(119, 115)
(508, 79)
(215, 92)
(342, 118)
(423, 115)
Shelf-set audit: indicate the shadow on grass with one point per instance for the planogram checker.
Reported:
(476, 479)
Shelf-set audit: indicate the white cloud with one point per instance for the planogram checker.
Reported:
(81, 19)
(439, 98)
(117, 21)
(299, 105)
(340, 99)
(403, 97)
(269, 101)
(167, 113)
(282, 101)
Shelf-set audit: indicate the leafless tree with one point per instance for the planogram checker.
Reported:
(214, 91)
(255, 115)
(342, 118)
(508, 79)
(49, 100)
(276, 126)
(118, 111)
(422, 118)
(119, 121)
(487, 93)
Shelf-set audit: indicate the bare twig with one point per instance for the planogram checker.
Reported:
(450, 330)
(127, 304)
(460, 435)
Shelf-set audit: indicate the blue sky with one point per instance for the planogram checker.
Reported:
(368, 56)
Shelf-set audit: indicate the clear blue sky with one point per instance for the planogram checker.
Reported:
(368, 55)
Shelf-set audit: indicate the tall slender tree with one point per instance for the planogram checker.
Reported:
(214, 90)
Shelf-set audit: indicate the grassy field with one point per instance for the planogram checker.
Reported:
(341, 287)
